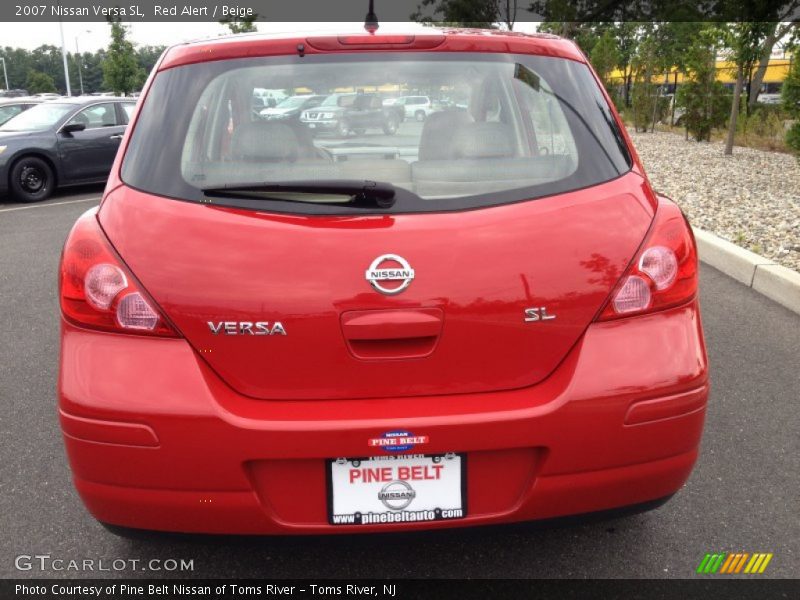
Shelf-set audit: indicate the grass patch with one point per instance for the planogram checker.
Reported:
(768, 135)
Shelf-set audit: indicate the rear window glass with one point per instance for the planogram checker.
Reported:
(500, 128)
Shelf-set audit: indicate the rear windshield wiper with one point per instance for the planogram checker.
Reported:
(360, 192)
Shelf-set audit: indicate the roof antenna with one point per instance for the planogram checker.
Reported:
(371, 20)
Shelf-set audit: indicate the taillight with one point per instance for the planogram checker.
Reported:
(664, 273)
(98, 291)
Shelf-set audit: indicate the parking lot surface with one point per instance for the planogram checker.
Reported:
(742, 496)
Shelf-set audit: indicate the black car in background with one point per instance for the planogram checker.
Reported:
(61, 142)
(11, 107)
(342, 114)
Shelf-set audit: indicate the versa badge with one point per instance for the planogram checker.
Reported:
(246, 328)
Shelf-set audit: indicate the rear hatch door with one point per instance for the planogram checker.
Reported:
(498, 296)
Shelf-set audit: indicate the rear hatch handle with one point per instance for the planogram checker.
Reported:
(393, 333)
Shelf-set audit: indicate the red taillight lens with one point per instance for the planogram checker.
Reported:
(664, 273)
(98, 291)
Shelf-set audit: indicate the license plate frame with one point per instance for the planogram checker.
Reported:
(427, 509)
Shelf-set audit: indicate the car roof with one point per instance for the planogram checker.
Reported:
(431, 39)
(21, 100)
(86, 100)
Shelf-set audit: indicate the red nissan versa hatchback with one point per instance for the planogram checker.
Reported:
(482, 317)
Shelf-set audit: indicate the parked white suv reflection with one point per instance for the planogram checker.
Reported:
(416, 107)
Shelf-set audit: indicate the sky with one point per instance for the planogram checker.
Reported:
(91, 36)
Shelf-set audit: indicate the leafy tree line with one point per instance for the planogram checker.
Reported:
(120, 68)
(46, 61)
(790, 97)
(647, 53)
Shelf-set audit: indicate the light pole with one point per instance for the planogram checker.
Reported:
(5, 73)
(79, 62)
(64, 54)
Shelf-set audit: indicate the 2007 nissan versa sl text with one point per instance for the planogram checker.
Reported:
(482, 316)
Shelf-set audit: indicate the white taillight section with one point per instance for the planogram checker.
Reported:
(96, 289)
(102, 283)
(661, 265)
(633, 296)
(663, 274)
(134, 312)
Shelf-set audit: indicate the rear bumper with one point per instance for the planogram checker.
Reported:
(156, 441)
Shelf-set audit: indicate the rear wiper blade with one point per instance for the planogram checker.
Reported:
(360, 192)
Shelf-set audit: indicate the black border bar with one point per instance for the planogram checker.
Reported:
(399, 10)
(705, 588)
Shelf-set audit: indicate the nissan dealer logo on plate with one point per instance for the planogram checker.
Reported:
(396, 495)
(390, 274)
(397, 441)
(397, 488)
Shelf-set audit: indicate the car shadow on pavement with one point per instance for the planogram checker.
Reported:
(531, 549)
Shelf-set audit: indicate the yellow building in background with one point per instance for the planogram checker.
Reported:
(777, 71)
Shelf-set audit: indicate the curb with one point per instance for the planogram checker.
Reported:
(763, 275)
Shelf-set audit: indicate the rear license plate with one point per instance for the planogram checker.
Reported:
(397, 489)
(312, 125)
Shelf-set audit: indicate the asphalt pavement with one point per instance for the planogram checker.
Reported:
(743, 496)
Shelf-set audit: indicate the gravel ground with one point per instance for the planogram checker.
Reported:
(751, 198)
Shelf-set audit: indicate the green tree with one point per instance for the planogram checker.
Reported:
(240, 24)
(703, 98)
(605, 57)
(121, 72)
(147, 56)
(18, 64)
(44, 59)
(745, 42)
(627, 35)
(39, 83)
(93, 71)
(669, 38)
(483, 14)
(776, 32)
(790, 98)
(586, 35)
(673, 38)
(646, 64)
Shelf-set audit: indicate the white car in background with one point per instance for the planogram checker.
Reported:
(769, 98)
(415, 107)
(269, 98)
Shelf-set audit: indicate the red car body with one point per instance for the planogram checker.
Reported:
(179, 429)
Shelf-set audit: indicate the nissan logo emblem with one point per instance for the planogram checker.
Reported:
(390, 267)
